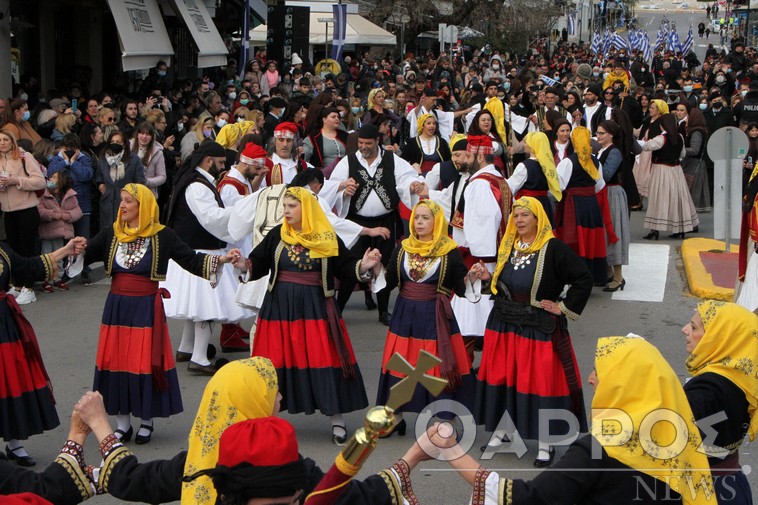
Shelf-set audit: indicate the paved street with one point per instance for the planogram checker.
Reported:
(67, 327)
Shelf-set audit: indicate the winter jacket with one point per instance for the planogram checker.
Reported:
(155, 170)
(21, 196)
(51, 226)
(81, 172)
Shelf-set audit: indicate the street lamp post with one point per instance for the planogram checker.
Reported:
(326, 22)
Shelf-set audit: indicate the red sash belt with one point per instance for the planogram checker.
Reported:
(534, 193)
(332, 316)
(443, 314)
(727, 466)
(137, 285)
(27, 336)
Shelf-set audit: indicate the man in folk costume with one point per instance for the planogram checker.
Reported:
(428, 105)
(198, 215)
(284, 163)
(552, 97)
(382, 180)
(446, 180)
(478, 228)
(495, 106)
(517, 115)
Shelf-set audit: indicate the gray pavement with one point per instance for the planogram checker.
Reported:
(67, 327)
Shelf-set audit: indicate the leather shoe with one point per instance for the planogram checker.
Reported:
(385, 318)
(542, 463)
(20, 460)
(182, 357)
(144, 439)
(201, 369)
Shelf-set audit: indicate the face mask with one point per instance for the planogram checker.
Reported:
(595, 74)
(221, 123)
(179, 127)
(342, 113)
(232, 95)
(206, 133)
(355, 110)
(728, 70)
(720, 79)
(240, 119)
(495, 66)
(24, 97)
(115, 148)
(26, 116)
(605, 75)
(161, 73)
(244, 101)
(688, 89)
(52, 185)
(643, 70)
(716, 105)
(507, 86)
(69, 153)
(743, 93)
(703, 106)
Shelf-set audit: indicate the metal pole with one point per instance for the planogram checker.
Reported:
(728, 192)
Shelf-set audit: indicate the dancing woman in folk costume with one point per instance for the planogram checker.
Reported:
(428, 148)
(746, 291)
(135, 369)
(722, 339)
(299, 325)
(536, 175)
(631, 466)
(583, 219)
(428, 269)
(528, 362)
(26, 395)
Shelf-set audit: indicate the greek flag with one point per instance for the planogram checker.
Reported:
(595, 47)
(622, 20)
(607, 41)
(619, 42)
(688, 42)
(571, 23)
(647, 53)
(660, 40)
(634, 39)
(674, 43)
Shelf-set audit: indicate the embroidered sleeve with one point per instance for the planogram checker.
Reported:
(210, 269)
(51, 266)
(365, 276)
(112, 451)
(569, 313)
(479, 495)
(72, 461)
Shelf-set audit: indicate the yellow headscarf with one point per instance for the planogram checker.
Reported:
(663, 107)
(540, 146)
(580, 139)
(635, 385)
(440, 244)
(148, 216)
(371, 95)
(240, 390)
(317, 232)
(544, 233)
(754, 173)
(229, 133)
(729, 348)
(421, 120)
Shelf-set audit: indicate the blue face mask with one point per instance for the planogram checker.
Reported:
(26, 116)
(161, 73)
(687, 89)
(244, 101)
(52, 185)
(703, 106)
(507, 86)
(355, 110)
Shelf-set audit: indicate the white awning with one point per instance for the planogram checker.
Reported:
(212, 51)
(141, 32)
(359, 31)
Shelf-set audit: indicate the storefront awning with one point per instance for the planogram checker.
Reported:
(212, 51)
(142, 34)
(359, 31)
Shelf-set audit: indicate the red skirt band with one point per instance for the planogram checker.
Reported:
(470, 260)
(137, 285)
(443, 314)
(332, 314)
(534, 193)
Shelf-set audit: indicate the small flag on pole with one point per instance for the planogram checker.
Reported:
(571, 22)
(688, 42)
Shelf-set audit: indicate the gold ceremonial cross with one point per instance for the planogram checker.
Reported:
(402, 392)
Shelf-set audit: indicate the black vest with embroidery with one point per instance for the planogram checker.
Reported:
(535, 178)
(580, 178)
(382, 183)
(616, 178)
(186, 225)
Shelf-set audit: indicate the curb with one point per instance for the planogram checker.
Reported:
(699, 278)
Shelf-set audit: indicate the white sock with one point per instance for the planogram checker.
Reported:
(202, 339)
(123, 422)
(337, 420)
(544, 451)
(144, 432)
(496, 440)
(188, 337)
(17, 448)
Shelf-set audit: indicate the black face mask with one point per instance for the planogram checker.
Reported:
(716, 106)
(115, 148)
(69, 153)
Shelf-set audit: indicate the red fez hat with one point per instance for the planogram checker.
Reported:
(252, 152)
(481, 144)
(266, 441)
(286, 130)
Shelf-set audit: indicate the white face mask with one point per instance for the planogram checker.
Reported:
(179, 127)
(221, 123)
(720, 79)
(24, 97)
(743, 93)
(703, 106)
(232, 95)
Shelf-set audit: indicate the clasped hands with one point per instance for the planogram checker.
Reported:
(479, 272)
